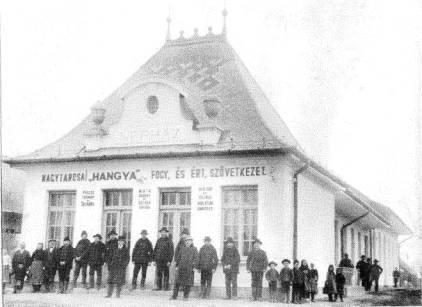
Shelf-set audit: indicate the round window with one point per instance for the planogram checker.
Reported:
(152, 104)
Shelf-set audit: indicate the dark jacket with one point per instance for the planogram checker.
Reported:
(164, 250)
(82, 249)
(257, 261)
(271, 275)
(186, 262)
(208, 259)
(38, 254)
(230, 257)
(20, 258)
(376, 271)
(96, 253)
(64, 254)
(50, 258)
(396, 274)
(298, 277)
(340, 281)
(118, 261)
(286, 275)
(179, 246)
(346, 263)
(330, 286)
(142, 252)
(110, 246)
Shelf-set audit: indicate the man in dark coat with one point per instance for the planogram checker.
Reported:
(298, 282)
(118, 261)
(256, 264)
(163, 256)
(50, 264)
(185, 232)
(367, 274)
(186, 262)
(81, 258)
(110, 246)
(230, 261)
(20, 263)
(208, 261)
(141, 257)
(346, 262)
(360, 266)
(375, 273)
(96, 255)
(396, 276)
(64, 264)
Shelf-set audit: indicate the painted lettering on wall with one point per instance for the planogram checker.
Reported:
(144, 201)
(88, 198)
(205, 199)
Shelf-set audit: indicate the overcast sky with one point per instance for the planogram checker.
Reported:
(342, 74)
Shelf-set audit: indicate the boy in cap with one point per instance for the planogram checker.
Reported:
(117, 267)
(50, 264)
(256, 264)
(272, 276)
(110, 246)
(96, 255)
(230, 261)
(81, 258)
(286, 278)
(163, 256)
(208, 261)
(64, 264)
(141, 257)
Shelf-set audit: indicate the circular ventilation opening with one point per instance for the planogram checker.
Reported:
(152, 104)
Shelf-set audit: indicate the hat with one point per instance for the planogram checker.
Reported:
(112, 232)
(84, 233)
(164, 229)
(363, 256)
(188, 238)
(272, 262)
(52, 240)
(144, 232)
(376, 260)
(285, 260)
(66, 238)
(296, 261)
(185, 231)
(98, 236)
(121, 238)
(207, 239)
(229, 240)
(257, 241)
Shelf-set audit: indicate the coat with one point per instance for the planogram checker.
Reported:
(142, 252)
(313, 280)
(186, 262)
(36, 270)
(340, 281)
(375, 272)
(257, 261)
(81, 250)
(64, 257)
(230, 260)
(298, 277)
(118, 262)
(360, 267)
(179, 246)
(286, 275)
(96, 253)
(50, 258)
(110, 246)
(305, 270)
(271, 275)
(330, 286)
(163, 251)
(346, 263)
(20, 263)
(208, 259)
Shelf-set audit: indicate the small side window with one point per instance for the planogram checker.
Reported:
(152, 104)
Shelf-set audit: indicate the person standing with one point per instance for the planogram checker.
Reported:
(141, 257)
(50, 265)
(81, 259)
(163, 256)
(64, 264)
(256, 264)
(230, 261)
(376, 271)
(36, 271)
(118, 260)
(360, 267)
(330, 287)
(346, 262)
(286, 278)
(396, 276)
(110, 246)
(272, 276)
(368, 280)
(298, 282)
(186, 262)
(20, 263)
(304, 292)
(208, 262)
(313, 282)
(340, 282)
(96, 256)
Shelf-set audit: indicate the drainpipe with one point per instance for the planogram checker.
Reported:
(344, 227)
(295, 205)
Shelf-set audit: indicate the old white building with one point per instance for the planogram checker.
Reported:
(190, 140)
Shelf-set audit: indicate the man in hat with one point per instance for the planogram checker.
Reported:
(50, 264)
(375, 273)
(186, 262)
(119, 259)
(360, 267)
(96, 255)
(163, 256)
(286, 279)
(110, 246)
(256, 264)
(184, 233)
(367, 274)
(141, 257)
(20, 263)
(64, 264)
(230, 261)
(81, 258)
(208, 261)
(396, 276)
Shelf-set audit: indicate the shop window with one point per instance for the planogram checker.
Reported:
(61, 215)
(118, 213)
(240, 216)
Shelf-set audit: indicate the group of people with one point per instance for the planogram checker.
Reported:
(296, 284)
(369, 272)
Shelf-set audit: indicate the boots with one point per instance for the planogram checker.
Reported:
(203, 292)
(142, 283)
(66, 285)
(254, 294)
(133, 285)
(15, 289)
(118, 290)
(61, 286)
(166, 284)
(109, 290)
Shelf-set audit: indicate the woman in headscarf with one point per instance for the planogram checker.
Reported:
(313, 282)
(330, 283)
(36, 270)
(304, 293)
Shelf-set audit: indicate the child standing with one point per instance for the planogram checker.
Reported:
(340, 281)
(298, 283)
(256, 264)
(272, 276)
(286, 278)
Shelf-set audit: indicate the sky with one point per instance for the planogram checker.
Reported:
(344, 75)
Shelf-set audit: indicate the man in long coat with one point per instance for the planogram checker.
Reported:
(257, 263)
(96, 255)
(185, 232)
(64, 262)
(141, 257)
(118, 261)
(81, 258)
(186, 262)
(163, 256)
(50, 264)
(208, 261)
(375, 273)
(230, 261)
(360, 267)
(20, 263)
(110, 246)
